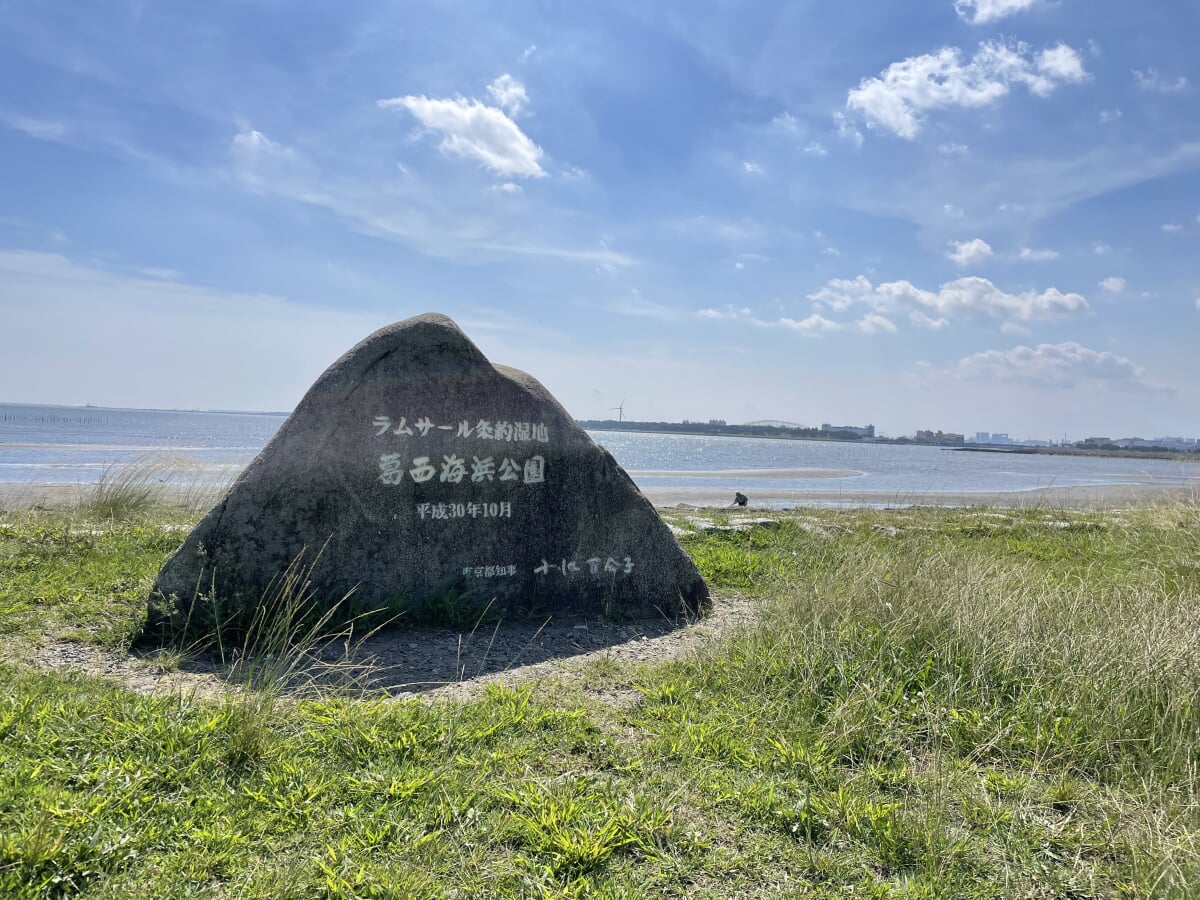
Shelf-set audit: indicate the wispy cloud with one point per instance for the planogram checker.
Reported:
(180, 327)
(42, 129)
(1113, 285)
(438, 222)
(1030, 255)
(726, 313)
(847, 130)
(509, 94)
(1171, 227)
(1150, 81)
(899, 98)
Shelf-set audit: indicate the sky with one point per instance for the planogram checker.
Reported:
(968, 215)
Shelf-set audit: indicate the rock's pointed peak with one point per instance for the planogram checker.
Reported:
(431, 342)
(425, 475)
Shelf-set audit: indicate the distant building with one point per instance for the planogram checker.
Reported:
(1186, 445)
(940, 437)
(983, 437)
(867, 431)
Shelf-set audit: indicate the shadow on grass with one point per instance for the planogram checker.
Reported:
(403, 658)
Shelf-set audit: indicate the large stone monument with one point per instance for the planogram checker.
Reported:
(415, 469)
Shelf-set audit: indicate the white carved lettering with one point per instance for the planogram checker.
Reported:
(421, 471)
(535, 470)
(453, 469)
(391, 468)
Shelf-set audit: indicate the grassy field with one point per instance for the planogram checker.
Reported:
(932, 703)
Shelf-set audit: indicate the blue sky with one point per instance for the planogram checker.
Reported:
(972, 215)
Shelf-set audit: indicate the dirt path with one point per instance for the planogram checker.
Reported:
(436, 663)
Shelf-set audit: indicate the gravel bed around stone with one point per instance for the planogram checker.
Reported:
(434, 663)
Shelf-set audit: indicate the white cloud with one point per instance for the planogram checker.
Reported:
(813, 326)
(509, 94)
(1113, 285)
(529, 52)
(816, 148)
(1054, 365)
(752, 168)
(953, 149)
(1151, 81)
(1061, 63)
(898, 99)
(846, 130)
(873, 323)
(474, 130)
(980, 12)
(1031, 255)
(1198, 303)
(509, 187)
(964, 297)
(969, 253)
(1172, 227)
(1101, 249)
(953, 212)
(1109, 115)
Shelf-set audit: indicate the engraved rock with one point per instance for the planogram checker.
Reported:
(416, 475)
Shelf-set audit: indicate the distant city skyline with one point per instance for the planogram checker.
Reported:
(916, 215)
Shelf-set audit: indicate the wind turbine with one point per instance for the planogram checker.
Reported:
(620, 410)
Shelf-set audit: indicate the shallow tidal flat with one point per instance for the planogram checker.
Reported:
(884, 702)
(759, 485)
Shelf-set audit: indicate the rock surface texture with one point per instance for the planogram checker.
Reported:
(416, 473)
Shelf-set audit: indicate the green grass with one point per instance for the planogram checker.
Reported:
(933, 703)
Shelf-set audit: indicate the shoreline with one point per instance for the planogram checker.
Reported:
(21, 495)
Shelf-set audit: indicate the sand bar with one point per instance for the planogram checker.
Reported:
(746, 473)
(1078, 497)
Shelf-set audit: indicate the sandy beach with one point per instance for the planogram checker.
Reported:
(762, 496)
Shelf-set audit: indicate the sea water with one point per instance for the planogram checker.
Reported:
(77, 445)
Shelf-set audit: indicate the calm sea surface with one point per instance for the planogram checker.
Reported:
(77, 445)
